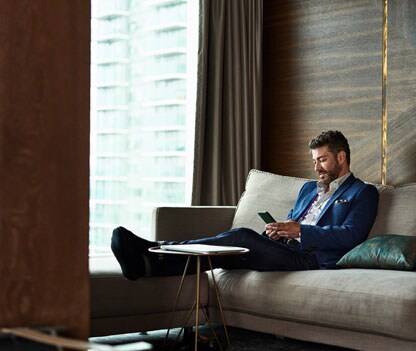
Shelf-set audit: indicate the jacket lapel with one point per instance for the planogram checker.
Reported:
(305, 204)
(344, 186)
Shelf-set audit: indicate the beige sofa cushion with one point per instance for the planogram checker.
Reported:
(396, 211)
(268, 192)
(366, 300)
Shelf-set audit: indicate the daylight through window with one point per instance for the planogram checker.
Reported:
(143, 83)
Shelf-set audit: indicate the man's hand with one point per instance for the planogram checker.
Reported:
(287, 229)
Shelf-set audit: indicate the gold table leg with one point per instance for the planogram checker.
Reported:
(178, 294)
(198, 285)
(219, 304)
(196, 305)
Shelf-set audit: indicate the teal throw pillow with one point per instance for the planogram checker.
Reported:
(386, 251)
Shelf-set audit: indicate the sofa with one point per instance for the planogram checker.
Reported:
(371, 308)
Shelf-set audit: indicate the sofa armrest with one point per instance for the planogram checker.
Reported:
(192, 222)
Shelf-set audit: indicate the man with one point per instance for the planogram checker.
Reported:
(330, 217)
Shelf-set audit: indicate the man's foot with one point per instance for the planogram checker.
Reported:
(131, 252)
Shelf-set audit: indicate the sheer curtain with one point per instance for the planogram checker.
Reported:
(228, 116)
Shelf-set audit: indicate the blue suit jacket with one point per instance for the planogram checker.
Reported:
(344, 222)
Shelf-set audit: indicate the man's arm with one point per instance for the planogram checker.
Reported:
(291, 228)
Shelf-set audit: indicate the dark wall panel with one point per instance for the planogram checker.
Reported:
(322, 70)
(44, 164)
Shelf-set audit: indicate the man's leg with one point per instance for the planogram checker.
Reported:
(265, 254)
(131, 252)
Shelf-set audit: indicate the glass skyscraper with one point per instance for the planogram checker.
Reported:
(141, 124)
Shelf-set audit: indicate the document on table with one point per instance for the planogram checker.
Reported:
(203, 249)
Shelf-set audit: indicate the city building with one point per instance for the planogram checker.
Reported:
(142, 124)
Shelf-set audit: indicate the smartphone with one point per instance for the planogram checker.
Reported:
(266, 216)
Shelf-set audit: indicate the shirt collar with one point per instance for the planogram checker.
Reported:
(334, 185)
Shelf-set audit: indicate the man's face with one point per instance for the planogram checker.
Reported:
(326, 164)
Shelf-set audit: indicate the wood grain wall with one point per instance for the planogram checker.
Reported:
(44, 163)
(322, 70)
(401, 92)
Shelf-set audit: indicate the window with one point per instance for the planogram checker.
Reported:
(143, 82)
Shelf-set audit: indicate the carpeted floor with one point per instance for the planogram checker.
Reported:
(241, 340)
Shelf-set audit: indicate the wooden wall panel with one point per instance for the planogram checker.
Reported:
(322, 70)
(401, 92)
(44, 163)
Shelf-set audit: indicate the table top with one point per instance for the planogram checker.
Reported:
(199, 250)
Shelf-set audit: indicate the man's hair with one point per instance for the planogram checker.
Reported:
(335, 141)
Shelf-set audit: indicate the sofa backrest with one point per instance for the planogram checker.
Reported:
(396, 211)
(276, 193)
(266, 192)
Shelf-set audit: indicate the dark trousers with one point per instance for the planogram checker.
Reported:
(265, 254)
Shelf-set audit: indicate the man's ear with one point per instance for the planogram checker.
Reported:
(342, 157)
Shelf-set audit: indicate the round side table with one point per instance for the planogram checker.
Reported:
(199, 252)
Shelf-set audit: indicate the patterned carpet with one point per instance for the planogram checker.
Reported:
(241, 340)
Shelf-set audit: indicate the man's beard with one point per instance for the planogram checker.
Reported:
(332, 174)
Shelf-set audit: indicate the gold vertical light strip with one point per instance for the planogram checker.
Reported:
(384, 100)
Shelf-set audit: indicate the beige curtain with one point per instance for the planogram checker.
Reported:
(228, 116)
